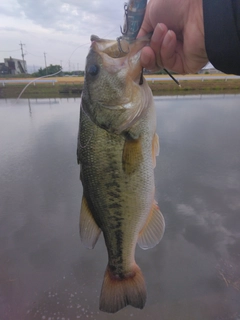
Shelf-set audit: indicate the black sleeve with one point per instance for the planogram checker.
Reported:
(222, 34)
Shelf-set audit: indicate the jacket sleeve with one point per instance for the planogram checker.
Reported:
(222, 34)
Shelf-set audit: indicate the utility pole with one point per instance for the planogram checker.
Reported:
(45, 61)
(24, 63)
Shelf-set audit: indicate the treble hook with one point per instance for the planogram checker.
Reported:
(124, 32)
(120, 46)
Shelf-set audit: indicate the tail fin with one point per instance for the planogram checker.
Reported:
(118, 292)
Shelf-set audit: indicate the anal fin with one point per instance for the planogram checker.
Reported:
(89, 231)
(153, 230)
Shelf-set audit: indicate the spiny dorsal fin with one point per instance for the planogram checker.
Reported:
(132, 155)
(153, 230)
(155, 149)
(89, 231)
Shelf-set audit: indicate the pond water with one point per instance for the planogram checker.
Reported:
(193, 274)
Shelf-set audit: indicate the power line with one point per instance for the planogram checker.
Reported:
(36, 55)
(9, 50)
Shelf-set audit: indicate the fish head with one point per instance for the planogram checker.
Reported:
(112, 96)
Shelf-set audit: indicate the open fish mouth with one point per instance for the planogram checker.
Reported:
(119, 54)
(120, 47)
(113, 48)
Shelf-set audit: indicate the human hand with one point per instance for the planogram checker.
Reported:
(177, 43)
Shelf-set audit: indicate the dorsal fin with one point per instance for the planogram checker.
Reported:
(153, 230)
(89, 231)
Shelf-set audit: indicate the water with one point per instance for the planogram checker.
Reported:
(193, 274)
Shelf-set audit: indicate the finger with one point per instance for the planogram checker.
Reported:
(171, 53)
(156, 41)
(145, 29)
(150, 56)
(148, 60)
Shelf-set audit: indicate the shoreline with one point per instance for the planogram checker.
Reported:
(72, 86)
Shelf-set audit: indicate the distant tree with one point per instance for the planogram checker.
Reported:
(73, 73)
(48, 71)
(53, 69)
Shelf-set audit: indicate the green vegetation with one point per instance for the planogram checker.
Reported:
(195, 87)
(40, 90)
(73, 87)
(52, 69)
(55, 69)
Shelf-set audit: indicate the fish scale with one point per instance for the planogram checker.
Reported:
(108, 152)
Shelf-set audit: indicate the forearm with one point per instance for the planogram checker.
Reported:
(222, 34)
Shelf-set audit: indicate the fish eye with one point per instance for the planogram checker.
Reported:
(93, 70)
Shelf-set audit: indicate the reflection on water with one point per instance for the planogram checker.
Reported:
(193, 274)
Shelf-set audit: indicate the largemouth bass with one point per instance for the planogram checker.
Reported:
(117, 149)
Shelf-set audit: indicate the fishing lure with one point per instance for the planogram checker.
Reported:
(134, 14)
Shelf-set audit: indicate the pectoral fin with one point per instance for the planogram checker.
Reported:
(89, 231)
(132, 155)
(153, 230)
(155, 149)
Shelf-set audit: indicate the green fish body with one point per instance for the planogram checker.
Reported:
(117, 147)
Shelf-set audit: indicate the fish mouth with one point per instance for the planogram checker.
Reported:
(113, 48)
(117, 55)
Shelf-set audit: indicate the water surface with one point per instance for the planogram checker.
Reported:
(193, 274)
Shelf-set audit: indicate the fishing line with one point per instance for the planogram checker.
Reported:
(54, 74)
(113, 30)
(49, 75)
(27, 85)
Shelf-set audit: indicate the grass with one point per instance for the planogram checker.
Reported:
(196, 87)
(72, 86)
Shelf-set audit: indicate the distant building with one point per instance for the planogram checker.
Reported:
(4, 69)
(209, 70)
(13, 66)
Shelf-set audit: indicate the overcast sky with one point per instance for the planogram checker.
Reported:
(59, 28)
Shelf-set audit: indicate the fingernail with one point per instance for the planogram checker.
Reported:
(168, 38)
(161, 26)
